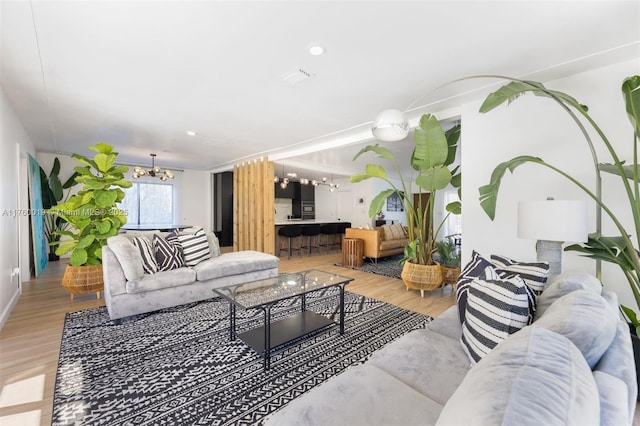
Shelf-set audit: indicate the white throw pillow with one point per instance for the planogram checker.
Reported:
(128, 256)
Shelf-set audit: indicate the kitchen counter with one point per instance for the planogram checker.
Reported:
(304, 222)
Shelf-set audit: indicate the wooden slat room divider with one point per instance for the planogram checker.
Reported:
(253, 206)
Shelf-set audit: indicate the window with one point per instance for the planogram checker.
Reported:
(453, 225)
(148, 204)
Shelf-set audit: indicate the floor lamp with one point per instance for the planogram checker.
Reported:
(552, 222)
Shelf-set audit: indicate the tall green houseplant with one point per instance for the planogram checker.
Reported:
(52, 193)
(92, 212)
(433, 154)
(619, 249)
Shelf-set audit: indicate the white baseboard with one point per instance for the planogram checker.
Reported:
(7, 310)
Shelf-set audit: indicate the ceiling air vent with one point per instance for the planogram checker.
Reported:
(297, 75)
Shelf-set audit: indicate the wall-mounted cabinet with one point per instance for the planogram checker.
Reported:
(288, 192)
(297, 193)
(307, 192)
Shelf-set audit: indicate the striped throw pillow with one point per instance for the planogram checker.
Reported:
(168, 252)
(496, 308)
(535, 274)
(143, 245)
(476, 268)
(195, 247)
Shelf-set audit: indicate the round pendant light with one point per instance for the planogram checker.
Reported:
(390, 125)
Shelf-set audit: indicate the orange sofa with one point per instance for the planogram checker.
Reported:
(382, 241)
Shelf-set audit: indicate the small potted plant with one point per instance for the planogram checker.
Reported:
(448, 253)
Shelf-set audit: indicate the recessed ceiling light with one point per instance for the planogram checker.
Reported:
(191, 133)
(316, 50)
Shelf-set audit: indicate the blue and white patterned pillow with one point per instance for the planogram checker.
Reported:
(168, 251)
(143, 245)
(195, 246)
(496, 308)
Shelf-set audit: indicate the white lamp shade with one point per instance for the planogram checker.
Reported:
(553, 220)
(390, 125)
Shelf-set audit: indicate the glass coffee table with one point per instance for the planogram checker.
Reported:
(263, 294)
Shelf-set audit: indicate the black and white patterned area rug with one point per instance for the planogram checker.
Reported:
(387, 266)
(178, 365)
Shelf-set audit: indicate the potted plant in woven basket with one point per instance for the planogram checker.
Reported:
(433, 154)
(93, 217)
(448, 254)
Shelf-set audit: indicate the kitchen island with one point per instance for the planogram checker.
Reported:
(281, 223)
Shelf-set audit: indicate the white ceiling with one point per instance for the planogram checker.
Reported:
(138, 74)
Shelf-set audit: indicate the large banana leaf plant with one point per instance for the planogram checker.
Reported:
(621, 249)
(92, 212)
(52, 193)
(434, 152)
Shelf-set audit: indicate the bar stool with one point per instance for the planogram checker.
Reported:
(330, 230)
(291, 232)
(342, 226)
(311, 231)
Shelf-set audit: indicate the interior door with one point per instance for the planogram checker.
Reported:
(345, 206)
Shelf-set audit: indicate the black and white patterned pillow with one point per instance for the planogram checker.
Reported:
(534, 274)
(476, 268)
(195, 247)
(143, 245)
(168, 251)
(496, 308)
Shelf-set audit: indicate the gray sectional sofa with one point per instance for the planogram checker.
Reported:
(129, 291)
(573, 365)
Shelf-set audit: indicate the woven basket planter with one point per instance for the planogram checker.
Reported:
(450, 275)
(421, 277)
(83, 279)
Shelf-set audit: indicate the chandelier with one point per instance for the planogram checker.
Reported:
(154, 171)
(284, 181)
(332, 186)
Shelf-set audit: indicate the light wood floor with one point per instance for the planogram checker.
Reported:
(30, 339)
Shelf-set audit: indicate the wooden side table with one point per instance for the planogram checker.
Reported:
(352, 252)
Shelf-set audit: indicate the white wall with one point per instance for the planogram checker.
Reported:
(537, 126)
(360, 213)
(14, 145)
(192, 198)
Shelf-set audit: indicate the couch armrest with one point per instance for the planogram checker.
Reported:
(112, 273)
(371, 238)
(618, 362)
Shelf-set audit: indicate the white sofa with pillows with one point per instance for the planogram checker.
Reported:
(149, 270)
(514, 350)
